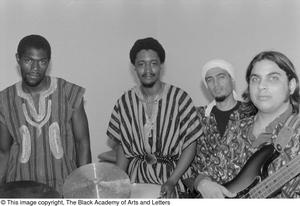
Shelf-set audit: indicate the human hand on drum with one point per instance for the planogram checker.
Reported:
(168, 190)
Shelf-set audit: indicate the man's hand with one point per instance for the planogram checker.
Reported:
(210, 189)
(168, 190)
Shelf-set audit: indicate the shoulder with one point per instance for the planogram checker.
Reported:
(71, 90)
(293, 121)
(177, 94)
(64, 83)
(8, 89)
(171, 87)
(128, 94)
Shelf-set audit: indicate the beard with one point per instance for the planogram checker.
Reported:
(148, 85)
(220, 99)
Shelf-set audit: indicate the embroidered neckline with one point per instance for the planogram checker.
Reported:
(38, 116)
(140, 95)
(37, 119)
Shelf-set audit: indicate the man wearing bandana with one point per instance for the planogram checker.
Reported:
(220, 123)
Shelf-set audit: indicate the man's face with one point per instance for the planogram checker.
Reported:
(148, 66)
(219, 83)
(269, 87)
(33, 64)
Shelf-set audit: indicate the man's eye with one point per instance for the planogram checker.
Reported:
(27, 61)
(140, 64)
(208, 80)
(274, 78)
(44, 62)
(254, 79)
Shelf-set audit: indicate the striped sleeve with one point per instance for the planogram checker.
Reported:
(2, 116)
(74, 94)
(113, 130)
(190, 127)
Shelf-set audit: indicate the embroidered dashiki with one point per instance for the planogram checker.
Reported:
(173, 128)
(43, 148)
(222, 161)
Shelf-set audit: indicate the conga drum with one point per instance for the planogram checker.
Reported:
(149, 191)
(27, 189)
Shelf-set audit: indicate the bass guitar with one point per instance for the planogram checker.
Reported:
(253, 180)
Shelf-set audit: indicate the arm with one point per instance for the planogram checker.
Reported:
(82, 136)
(5, 144)
(122, 161)
(167, 189)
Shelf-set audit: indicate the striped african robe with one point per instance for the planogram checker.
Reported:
(43, 148)
(176, 126)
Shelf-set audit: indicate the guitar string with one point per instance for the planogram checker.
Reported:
(276, 180)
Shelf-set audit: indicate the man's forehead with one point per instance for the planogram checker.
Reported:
(31, 51)
(266, 67)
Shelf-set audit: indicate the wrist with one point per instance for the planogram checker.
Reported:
(171, 181)
(199, 179)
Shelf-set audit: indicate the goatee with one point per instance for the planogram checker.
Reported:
(220, 99)
(148, 85)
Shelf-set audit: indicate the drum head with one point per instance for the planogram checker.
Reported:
(27, 189)
(97, 180)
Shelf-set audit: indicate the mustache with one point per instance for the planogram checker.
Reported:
(148, 74)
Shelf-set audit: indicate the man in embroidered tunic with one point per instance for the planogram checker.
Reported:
(43, 125)
(155, 123)
(273, 88)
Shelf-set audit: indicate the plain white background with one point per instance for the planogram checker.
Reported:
(91, 40)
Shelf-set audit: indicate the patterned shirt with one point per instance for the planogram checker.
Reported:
(223, 159)
(175, 126)
(43, 148)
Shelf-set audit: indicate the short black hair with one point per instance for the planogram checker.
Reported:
(147, 43)
(34, 41)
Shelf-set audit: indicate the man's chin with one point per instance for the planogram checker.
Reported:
(32, 83)
(148, 85)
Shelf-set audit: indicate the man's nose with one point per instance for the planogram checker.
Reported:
(262, 84)
(35, 65)
(148, 67)
(216, 82)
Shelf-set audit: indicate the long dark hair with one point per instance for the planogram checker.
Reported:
(283, 63)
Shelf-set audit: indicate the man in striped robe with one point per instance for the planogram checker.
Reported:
(44, 132)
(155, 124)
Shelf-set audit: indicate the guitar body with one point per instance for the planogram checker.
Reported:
(255, 170)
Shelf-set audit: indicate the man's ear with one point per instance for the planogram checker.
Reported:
(17, 58)
(292, 85)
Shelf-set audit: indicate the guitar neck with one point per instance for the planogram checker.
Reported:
(274, 182)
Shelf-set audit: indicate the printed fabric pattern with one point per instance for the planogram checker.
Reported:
(222, 159)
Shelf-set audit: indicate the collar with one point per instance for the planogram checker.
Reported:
(138, 92)
(280, 120)
(271, 129)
